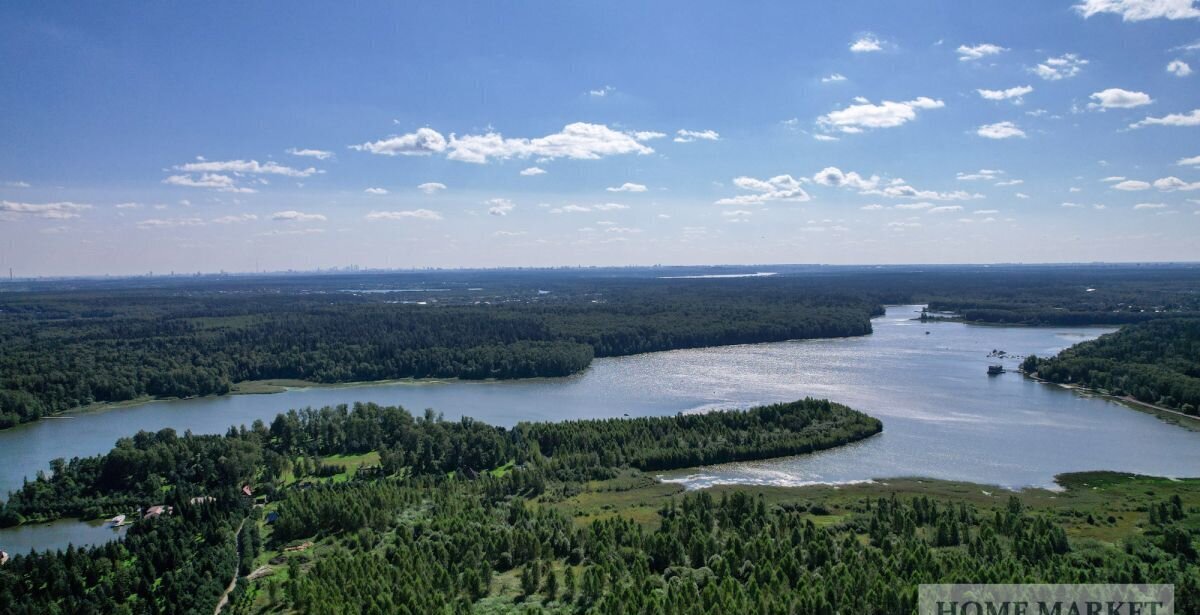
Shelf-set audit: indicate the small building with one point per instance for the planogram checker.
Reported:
(995, 370)
(247, 491)
(155, 511)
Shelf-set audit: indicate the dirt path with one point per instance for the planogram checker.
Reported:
(237, 546)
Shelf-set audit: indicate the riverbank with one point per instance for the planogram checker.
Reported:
(1175, 417)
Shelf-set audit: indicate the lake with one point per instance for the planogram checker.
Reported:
(943, 416)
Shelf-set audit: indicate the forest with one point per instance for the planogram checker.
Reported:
(461, 517)
(72, 343)
(1156, 362)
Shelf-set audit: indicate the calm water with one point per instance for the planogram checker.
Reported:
(57, 535)
(943, 416)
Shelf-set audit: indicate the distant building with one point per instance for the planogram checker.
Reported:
(155, 511)
(247, 491)
(994, 370)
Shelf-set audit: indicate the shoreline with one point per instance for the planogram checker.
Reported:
(1189, 422)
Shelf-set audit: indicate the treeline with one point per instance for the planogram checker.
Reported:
(664, 443)
(1156, 362)
(149, 467)
(64, 350)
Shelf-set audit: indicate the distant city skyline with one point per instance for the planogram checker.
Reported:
(283, 136)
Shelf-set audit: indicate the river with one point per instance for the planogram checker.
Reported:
(943, 416)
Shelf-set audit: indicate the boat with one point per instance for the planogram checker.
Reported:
(995, 370)
(117, 521)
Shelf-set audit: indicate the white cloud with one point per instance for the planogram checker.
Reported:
(1194, 160)
(222, 183)
(1010, 182)
(154, 223)
(16, 184)
(509, 233)
(985, 212)
(235, 219)
(1000, 130)
(63, 210)
(290, 232)
(1179, 68)
(833, 176)
(866, 44)
(820, 137)
(627, 187)
(913, 206)
(1071, 205)
(1168, 184)
(609, 206)
(423, 142)
(687, 136)
(778, 188)
(887, 114)
(376, 191)
(431, 187)
(944, 209)
(602, 92)
(418, 214)
(531, 171)
(899, 189)
(1021, 195)
(292, 215)
(967, 53)
(319, 154)
(1140, 10)
(1014, 93)
(1113, 178)
(1062, 67)
(1116, 98)
(1131, 185)
(1174, 119)
(834, 78)
(578, 141)
(1150, 206)
(500, 207)
(871, 207)
(128, 206)
(570, 209)
(244, 167)
(981, 174)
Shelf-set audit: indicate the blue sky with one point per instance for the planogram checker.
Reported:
(156, 137)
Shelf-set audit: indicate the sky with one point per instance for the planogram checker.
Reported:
(202, 137)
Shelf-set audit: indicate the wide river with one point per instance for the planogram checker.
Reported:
(943, 416)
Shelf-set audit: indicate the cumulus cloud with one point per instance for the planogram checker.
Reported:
(570, 209)
(431, 187)
(16, 184)
(866, 44)
(1179, 68)
(500, 207)
(899, 189)
(1014, 94)
(967, 53)
(834, 78)
(913, 206)
(214, 181)
(319, 154)
(627, 187)
(128, 206)
(1000, 130)
(1194, 160)
(243, 167)
(602, 92)
(63, 210)
(1116, 98)
(156, 223)
(1131, 185)
(981, 174)
(887, 114)
(941, 209)
(1168, 184)
(423, 142)
(1150, 206)
(609, 206)
(1061, 67)
(235, 219)
(872, 207)
(579, 141)
(531, 171)
(778, 188)
(1174, 119)
(292, 215)
(376, 191)
(687, 136)
(1140, 10)
(418, 214)
(833, 176)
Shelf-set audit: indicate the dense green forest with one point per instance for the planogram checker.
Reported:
(1156, 362)
(65, 344)
(66, 351)
(459, 517)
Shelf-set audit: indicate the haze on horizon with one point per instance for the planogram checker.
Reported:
(285, 136)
